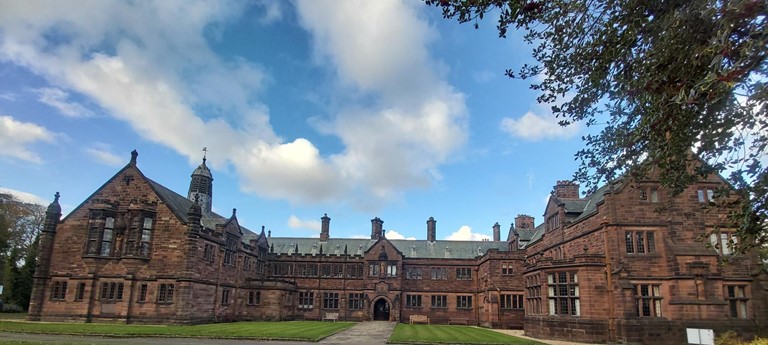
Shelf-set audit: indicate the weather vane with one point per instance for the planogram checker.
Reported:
(205, 153)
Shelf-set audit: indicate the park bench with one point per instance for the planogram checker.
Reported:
(331, 316)
(458, 321)
(419, 318)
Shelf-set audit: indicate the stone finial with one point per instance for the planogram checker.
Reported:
(134, 155)
(234, 212)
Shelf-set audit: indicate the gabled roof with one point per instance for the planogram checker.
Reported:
(409, 248)
(538, 233)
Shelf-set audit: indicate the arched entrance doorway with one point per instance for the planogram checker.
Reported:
(381, 310)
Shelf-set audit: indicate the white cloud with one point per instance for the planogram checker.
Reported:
(465, 234)
(57, 98)
(273, 11)
(25, 197)
(361, 236)
(394, 235)
(9, 96)
(15, 136)
(533, 127)
(150, 65)
(103, 153)
(296, 223)
(485, 76)
(396, 141)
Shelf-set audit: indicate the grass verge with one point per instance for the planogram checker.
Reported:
(289, 330)
(13, 316)
(444, 334)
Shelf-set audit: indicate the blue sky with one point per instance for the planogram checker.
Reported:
(358, 109)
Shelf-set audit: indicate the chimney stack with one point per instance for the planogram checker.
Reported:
(325, 228)
(566, 190)
(523, 221)
(431, 229)
(376, 227)
(497, 232)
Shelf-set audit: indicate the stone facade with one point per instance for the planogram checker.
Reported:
(626, 264)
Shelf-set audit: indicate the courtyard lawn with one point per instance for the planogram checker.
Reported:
(288, 330)
(444, 334)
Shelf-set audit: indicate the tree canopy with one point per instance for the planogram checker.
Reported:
(20, 225)
(660, 79)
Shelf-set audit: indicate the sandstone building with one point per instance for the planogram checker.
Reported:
(624, 264)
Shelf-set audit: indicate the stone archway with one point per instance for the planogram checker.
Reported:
(381, 310)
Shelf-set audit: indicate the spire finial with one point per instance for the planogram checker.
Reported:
(134, 154)
(56, 197)
(234, 212)
(205, 154)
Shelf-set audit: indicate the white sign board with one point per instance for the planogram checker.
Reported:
(700, 336)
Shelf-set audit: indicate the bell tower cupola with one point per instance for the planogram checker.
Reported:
(201, 187)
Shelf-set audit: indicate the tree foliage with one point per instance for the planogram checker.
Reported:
(659, 79)
(20, 225)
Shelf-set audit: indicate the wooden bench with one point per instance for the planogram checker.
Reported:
(331, 316)
(458, 321)
(419, 318)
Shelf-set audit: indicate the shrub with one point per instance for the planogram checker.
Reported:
(731, 338)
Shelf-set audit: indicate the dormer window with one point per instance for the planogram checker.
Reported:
(553, 222)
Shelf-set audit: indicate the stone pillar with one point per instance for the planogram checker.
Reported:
(42, 272)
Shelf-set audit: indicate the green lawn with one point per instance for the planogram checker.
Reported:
(289, 330)
(13, 316)
(444, 334)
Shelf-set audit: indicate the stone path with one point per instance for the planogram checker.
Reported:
(368, 333)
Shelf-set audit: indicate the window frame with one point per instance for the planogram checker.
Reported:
(640, 242)
(330, 300)
(80, 292)
(165, 293)
(111, 292)
(254, 297)
(648, 297)
(306, 300)
(738, 301)
(723, 241)
(142, 297)
(438, 273)
(563, 295)
(413, 301)
(506, 268)
(59, 290)
(463, 273)
(511, 301)
(464, 302)
(439, 301)
(355, 301)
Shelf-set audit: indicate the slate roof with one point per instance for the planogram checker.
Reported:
(538, 232)
(409, 248)
(180, 205)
